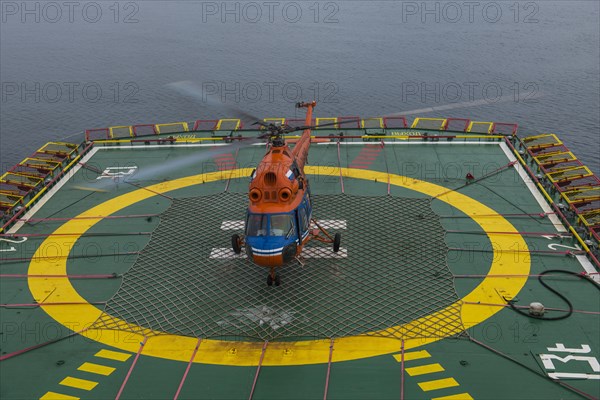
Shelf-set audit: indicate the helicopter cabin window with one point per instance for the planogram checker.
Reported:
(303, 220)
(282, 225)
(257, 225)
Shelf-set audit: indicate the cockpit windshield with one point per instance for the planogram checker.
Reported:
(270, 225)
(257, 225)
(281, 225)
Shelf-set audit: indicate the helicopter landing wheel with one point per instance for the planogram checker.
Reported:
(236, 244)
(336, 242)
(273, 278)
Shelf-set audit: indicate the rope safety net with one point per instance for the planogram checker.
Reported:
(391, 270)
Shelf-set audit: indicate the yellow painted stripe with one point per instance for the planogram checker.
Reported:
(78, 383)
(460, 396)
(412, 355)
(438, 384)
(57, 396)
(113, 355)
(424, 369)
(96, 369)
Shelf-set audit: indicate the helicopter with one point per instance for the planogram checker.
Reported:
(279, 214)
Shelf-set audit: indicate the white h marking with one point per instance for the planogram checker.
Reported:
(307, 252)
(324, 223)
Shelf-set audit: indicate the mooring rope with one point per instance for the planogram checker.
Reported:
(36, 305)
(543, 252)
(489, 174)
(135, 360)
(68, 256)
(92, 276)
(38, 220)
(505, 233)
(33, 235)
(331, 343)
(262, 357)
(185, 374)
(524, 307)
(526, 215)
(37, 346)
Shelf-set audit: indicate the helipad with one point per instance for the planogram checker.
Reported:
(138, 281)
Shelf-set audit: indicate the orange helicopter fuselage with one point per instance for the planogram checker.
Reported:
(278, 187)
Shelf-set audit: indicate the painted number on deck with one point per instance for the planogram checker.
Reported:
(549, 362)
(553, 246)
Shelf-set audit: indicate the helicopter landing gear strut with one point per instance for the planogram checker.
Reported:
(326, 237)
(273, 277)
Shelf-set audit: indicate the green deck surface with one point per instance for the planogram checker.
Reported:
(498, 358)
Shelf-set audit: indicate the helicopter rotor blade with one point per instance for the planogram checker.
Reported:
(192, 90)
(463, 104)
(451, 106)
(106, 184)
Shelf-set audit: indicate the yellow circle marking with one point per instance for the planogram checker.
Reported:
(174, 347)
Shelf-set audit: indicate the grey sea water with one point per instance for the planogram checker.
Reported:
(69, 66)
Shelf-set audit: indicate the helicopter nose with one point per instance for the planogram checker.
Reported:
(268, 261)
(272, 257)
(265, 257)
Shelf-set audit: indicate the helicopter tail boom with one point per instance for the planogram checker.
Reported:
(300, 151)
